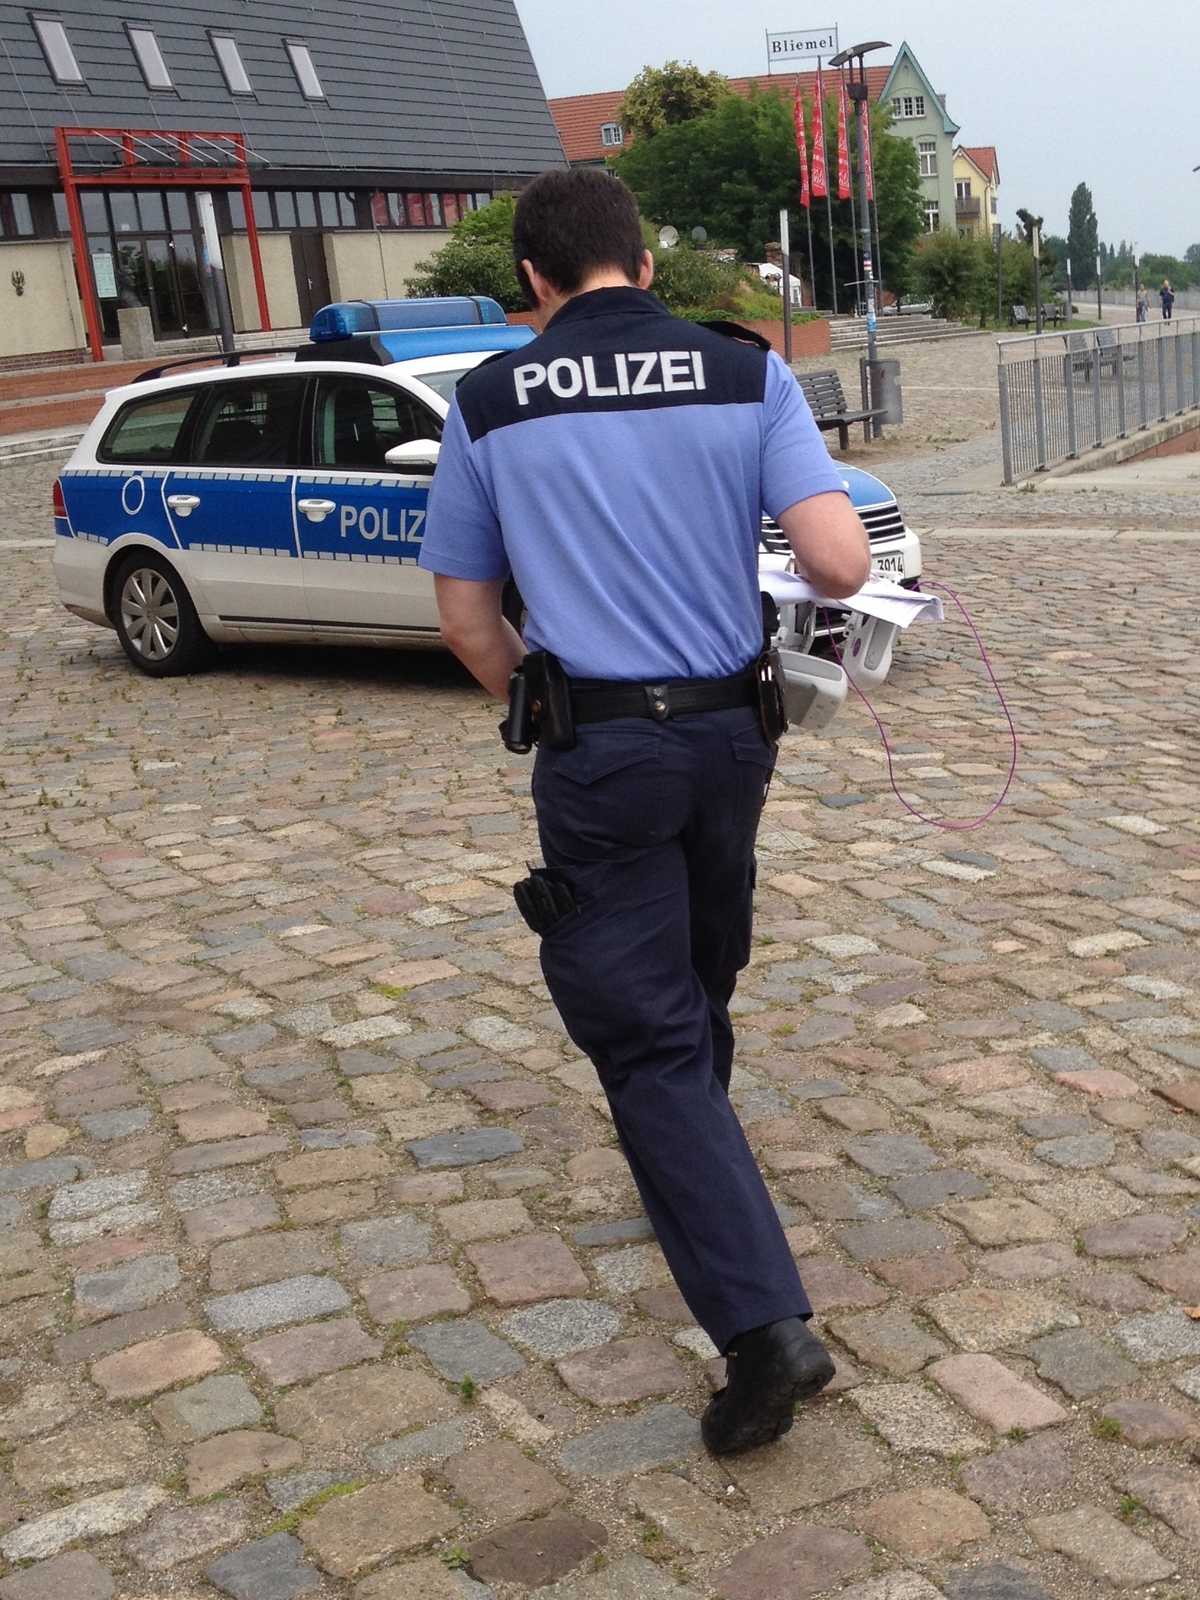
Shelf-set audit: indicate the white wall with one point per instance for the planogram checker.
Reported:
(46, 315)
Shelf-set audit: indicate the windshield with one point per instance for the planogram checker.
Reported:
(445, 382)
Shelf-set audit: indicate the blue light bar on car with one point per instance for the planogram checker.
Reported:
(349, 317)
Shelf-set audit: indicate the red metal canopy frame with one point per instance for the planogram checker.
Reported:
(153, 158)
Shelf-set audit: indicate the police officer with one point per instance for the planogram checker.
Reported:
(617, 468)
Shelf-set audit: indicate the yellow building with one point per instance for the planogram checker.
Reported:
(976, 189)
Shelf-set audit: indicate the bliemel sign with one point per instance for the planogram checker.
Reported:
(801, 43)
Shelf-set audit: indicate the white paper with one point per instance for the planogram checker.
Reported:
(878, 597)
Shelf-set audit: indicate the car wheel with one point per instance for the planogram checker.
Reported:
(155, 619)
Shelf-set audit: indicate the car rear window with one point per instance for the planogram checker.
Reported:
(147, 431)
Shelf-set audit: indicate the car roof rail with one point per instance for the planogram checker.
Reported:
(228, 358)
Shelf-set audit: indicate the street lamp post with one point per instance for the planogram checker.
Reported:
(856, 88)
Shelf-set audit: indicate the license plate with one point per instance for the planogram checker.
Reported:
(892, 565)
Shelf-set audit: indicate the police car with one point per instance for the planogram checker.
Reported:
(283, 498)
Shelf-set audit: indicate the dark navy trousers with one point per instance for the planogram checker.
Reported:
(654, 826)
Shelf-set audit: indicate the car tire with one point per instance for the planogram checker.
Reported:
(155, 619)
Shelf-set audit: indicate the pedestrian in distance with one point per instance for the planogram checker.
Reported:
(617, 467)
(1167, 295)
(1143, 305)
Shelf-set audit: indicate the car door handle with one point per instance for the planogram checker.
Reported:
(316, 510)
(185, 504)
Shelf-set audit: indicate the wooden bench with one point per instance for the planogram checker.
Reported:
(1018, 317)
(827, 401)
(1106, 352)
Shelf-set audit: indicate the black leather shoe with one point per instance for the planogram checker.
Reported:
(769, 1370)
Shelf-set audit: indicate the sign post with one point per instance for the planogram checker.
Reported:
(800, 44)
(214, 268)
(785, 252)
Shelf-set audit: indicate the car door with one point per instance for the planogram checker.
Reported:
(360, 522)
(230, 505)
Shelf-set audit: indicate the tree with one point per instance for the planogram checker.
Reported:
(1055, 247)
(1083, 238)
(1192, 255)
(662, 97)
(477, 259)
(736, 167)
(950, 272)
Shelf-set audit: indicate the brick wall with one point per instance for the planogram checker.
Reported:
(808, 338)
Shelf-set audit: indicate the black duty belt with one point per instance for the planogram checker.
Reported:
(600, 700)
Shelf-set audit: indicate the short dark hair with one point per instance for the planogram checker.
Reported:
(575, 222)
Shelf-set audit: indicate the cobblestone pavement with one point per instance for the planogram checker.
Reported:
(322, 1274)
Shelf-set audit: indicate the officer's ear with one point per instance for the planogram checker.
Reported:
(646, 275)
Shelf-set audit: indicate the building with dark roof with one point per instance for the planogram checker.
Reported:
(347, 137)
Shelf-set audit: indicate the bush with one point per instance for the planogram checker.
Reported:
(477, 258)
(949, 272)
(688, 280)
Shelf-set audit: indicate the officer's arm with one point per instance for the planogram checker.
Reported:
(473, 626)
(829, 543)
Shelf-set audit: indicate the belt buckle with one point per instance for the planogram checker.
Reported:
(658, 701)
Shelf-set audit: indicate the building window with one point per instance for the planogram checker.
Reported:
(907, 106)
(306, 73)
(995, 205)
(229, 59)
(56, 48)
(612, 133)
(962, 189)
(149, 57)
(918, 105)
(16, 217)
(933, 219)
(927, 157)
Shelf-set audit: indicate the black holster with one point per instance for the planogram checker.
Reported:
(550, 698)
(544, 898)
(517, 729)
(768, 678)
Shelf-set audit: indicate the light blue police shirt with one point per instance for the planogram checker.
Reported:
(618, 467)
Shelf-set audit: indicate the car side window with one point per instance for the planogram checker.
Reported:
(250, 423)
(356, 422)
(146, 432)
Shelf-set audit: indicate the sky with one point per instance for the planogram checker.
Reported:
(1069, 91)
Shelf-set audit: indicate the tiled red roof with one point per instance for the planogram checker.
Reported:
(985, 158)
(579, 117)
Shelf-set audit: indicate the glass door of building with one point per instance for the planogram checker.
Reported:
(144, 251)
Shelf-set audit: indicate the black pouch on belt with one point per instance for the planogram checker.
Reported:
(550, 693)
(544, 898)
(517, 730)
(768, 678)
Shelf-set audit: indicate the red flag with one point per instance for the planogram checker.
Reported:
(801, 146)
(843, 151)
(864, 146)
(820, 178)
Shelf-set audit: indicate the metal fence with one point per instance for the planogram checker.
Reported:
(1062, 394)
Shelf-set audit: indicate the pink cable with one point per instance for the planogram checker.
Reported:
(950, 825)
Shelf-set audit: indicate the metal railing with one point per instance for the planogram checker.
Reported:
(1062, 394)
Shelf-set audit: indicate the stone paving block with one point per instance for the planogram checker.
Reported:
(997, 1319)
(225, 1153)
(1020, 1475)
(76, 1574)
(891, 1155)
(918, 1276)
(350, 1409)
(1031, 1261)
(176, 1535)
(831, 1285)
(354, 1532)
(1136, 1237)
(117, 1333)
(563, 1327)
(387, 1241)
(656, 1437)
(93, 1195)
(1159, 1336)
(824, 1458)
(1170, 1493)
(887, 1241)
(1003, 1220)
(929, 1189)
(537, 1553)
(683, 1513)
(145, 1369)
(623, 1371)
(995, 1580)
(267, 1257)
(114, 1448)
(414, 1293)
(914, 1421)
(213, 1406)
(535, 1267)
(94, 1518)
(1081, 1363)
(925, 1522)
(484, 1219)
(497, 1480)
(233, 1458)
(836, 1201)
(464, 1348)
(1149, 1422)
(435, 1443)
(331, 1166)
(1113, 1291)
(467, 1148)
(889, 1339)
(297, 1354)
(1101, 1545)
(994, 1394)
(230, 1219)
(292, 1300)
(793, 1565)
(1178, 1274)
(268, 1569)
(426, 1577)
(892, 1586)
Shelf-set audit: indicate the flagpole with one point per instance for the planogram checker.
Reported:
(853, 208)
(821, 168)
(812, 270)
(832, 260)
